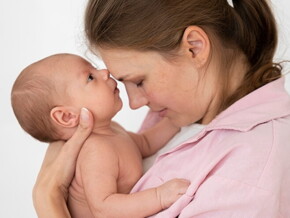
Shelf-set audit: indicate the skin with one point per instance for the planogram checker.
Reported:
(50, 191)
(186, 89)
(110, 162)
(166, 87)
(86, 87)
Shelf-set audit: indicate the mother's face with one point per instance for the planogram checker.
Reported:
(176, 89)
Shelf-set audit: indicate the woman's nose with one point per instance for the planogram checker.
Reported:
(137, 99)
(104, 74)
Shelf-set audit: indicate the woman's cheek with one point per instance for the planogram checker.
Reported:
(146, 91)
(153, 96)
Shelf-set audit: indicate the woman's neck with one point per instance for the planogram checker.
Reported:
(227, 87)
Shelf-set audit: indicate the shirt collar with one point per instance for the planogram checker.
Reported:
(269, 102)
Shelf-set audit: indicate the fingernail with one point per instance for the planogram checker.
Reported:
(84, 114)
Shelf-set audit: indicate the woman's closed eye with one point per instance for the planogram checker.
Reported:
(140, 83)
(90, 77)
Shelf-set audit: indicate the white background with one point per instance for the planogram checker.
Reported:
(31, 30)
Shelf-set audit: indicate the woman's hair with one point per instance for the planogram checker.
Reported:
(248, 28)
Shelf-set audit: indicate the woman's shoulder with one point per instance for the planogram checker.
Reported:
(270, 102)
(252, 156)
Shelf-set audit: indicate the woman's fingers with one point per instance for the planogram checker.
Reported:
(52, 152)
(72, 147)
(68, 154)
(58, 168)
(61, 151)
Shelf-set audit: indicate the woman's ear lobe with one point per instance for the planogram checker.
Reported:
(197, 45)
(65, 116)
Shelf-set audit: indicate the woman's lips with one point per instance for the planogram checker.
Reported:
(163, 112)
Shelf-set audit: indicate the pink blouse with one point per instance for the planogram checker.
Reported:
(238, 165)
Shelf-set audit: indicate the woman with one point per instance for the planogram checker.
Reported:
(193, 61)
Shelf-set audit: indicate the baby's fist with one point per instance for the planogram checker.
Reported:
(170, 191)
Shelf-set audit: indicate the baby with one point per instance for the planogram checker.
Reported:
(47, 98)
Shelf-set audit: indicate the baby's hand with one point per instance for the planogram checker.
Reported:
(170, 191)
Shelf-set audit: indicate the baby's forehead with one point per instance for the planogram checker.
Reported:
(61, 64)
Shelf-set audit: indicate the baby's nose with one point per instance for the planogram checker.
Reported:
(104, 74)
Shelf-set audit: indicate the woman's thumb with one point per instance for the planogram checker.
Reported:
(82, 132)
(86, 119)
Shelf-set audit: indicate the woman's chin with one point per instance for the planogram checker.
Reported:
(180, 122)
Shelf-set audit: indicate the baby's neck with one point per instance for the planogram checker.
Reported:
(105, 128)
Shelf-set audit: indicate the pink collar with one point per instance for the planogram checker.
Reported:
(264, 104)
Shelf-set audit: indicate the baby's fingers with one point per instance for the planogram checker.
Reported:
(183, 185)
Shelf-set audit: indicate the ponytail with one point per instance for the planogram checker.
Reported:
(255, 33)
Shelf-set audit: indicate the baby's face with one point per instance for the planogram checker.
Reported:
(90, 88)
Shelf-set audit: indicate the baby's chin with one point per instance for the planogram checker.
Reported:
(118, 109)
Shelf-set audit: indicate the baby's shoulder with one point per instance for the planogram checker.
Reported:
(94, 141)
(96, 144)
(96, 152)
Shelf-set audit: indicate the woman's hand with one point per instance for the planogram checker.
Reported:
(51, 188)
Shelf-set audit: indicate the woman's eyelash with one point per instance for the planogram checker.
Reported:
(90, 77)
(139, 83)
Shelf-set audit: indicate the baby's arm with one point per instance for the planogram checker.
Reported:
(154, 138)
(100, 173)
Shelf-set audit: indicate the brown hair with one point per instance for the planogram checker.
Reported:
(248, 28)
(32, 100)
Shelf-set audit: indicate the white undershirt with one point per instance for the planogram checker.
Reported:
(184, 134)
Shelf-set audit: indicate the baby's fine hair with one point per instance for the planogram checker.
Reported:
(247, 28)
(32, 99)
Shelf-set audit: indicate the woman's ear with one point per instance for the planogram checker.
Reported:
(196, 45)
(65, 116)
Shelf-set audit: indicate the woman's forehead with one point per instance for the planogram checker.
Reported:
(122, 63)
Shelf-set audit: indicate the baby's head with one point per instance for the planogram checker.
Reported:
(48, 95)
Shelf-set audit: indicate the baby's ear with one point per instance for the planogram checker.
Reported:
(65, 116)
